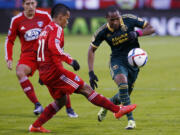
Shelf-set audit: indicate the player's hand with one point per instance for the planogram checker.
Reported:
(132, 35)
(9, 64)
(75, 65)
(40, 82)
(93, 80)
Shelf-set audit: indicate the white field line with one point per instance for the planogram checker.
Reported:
(163, 89)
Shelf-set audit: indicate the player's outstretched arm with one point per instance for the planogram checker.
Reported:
(92, 77)
(148, 30)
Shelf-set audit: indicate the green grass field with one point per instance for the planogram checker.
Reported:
(157, 93)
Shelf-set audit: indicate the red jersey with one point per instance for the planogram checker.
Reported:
(50, 52)
(27, 30)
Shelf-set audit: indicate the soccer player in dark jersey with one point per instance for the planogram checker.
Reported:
(27, 25)
(60, 81)
(119, 33)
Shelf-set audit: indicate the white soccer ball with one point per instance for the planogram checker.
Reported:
(137, 57)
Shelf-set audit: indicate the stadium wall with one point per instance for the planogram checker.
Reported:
(166, 22)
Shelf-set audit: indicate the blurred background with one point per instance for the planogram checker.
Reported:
(88, 15)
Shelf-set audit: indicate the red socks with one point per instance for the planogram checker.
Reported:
(68, 102)
(47, 114)
(100, 100)
(28, 89)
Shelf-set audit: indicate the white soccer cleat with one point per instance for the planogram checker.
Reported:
(131, 124)
(102, 114)
(71, 113)
(38, 109)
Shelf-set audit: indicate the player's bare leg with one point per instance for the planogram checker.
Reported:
(22, 72)
(70, 112)
(47, 114)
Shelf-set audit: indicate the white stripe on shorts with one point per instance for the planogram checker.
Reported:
(69, 81)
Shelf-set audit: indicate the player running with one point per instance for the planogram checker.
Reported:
(119, 34)
(60, 81)
(27, 26)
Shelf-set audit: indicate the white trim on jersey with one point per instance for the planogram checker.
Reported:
(92, 96)
(43, 12)
(59, 31)
(6, 52)
(50, 27)
(12, 20)
(69, 81)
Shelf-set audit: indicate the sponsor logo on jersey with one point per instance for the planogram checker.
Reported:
(23, 28)
(40, 23)
(32, 34)
(77, 79)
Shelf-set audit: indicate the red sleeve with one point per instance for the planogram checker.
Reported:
(54, 46)
(12, 33)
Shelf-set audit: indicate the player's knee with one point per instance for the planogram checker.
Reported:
(86, 90)
(20, 74)
(120, 78)
(61, 101)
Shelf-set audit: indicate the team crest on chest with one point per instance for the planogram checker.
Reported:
(40, 23)
(108, 35)
(124, 28)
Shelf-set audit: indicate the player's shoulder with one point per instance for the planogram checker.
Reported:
(129, 16)
(43, 13)
(101, 29)
(17, 17)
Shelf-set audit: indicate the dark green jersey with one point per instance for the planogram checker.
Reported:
(117, 39)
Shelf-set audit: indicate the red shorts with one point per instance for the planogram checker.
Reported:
(65, 83)
(30, 61)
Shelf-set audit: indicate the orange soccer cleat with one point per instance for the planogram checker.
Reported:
(39, 129)
(124, 110)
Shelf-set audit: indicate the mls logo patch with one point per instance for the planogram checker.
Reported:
(77, 79)
(40, 23)
(115, 67)
(57, 41)
(108, 35)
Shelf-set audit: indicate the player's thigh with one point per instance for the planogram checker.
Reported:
(132, 76)
(22, 69)
(29, 64)
(119, 72)
(66, 83)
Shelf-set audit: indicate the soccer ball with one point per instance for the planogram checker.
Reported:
(137, 57)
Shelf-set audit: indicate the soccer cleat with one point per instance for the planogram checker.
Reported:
(38, 129)
(71, 113)
(131, 124)
(102, 114)
(124, 110)
(38, 109)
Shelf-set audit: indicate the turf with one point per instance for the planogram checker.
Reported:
(157, 93)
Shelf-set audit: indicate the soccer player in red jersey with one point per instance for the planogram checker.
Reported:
(27, 26)
(60, 81)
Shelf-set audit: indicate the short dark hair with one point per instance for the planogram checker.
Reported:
(111, 9)
(59, 8)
